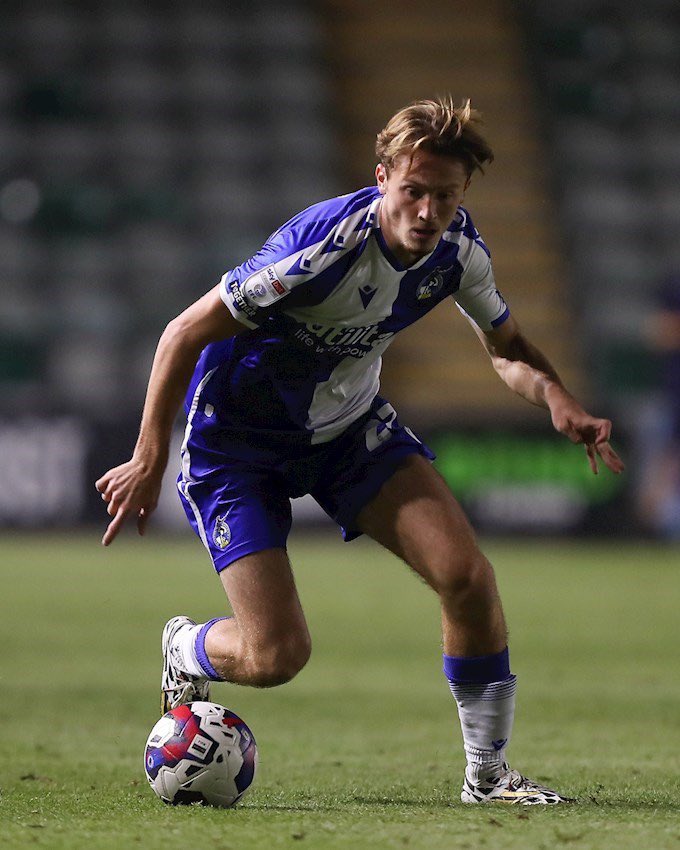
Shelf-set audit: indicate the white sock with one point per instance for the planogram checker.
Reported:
(486, 713)
(183, 649)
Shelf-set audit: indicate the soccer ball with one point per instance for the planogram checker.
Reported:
(200, 753)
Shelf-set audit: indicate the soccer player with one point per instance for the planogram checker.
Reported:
(280, 364)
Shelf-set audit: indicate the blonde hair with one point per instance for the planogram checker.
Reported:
(435, 126)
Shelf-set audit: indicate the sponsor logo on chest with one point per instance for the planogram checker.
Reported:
(349, 342)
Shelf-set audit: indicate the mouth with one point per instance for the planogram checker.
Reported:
(424, 233)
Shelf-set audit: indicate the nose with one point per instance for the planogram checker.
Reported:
(426, 210)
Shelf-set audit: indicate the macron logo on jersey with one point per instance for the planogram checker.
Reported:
(367, 291)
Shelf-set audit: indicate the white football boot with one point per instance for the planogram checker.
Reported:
(178, 687)
(510, 787)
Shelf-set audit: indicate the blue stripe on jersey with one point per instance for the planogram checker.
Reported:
(462, 223)
(307, 228)
(314, 240)
(313, 292)
(425, 287)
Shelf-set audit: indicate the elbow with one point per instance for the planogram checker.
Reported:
(175, 328)
(172, 335)
(500, 364)
(179, 335)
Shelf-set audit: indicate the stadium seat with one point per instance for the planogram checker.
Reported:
(147, 132)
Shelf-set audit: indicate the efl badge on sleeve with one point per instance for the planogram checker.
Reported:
(264, 288)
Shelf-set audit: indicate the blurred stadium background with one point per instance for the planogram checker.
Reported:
(145, 148)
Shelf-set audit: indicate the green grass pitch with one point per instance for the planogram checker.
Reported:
(362, 750)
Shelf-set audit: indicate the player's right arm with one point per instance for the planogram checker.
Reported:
(134, 486)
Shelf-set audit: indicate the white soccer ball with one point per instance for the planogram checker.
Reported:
(200, 753)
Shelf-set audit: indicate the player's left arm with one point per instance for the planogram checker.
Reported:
(528, 372)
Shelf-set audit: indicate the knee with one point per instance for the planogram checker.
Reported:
(462, 574)
(280, 662)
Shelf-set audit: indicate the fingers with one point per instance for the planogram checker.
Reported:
(123, 496)
(114, 509)
(115, 525)
(120, 513)
(572, 434)
(105, 486)
(609, 457)
(603, 431)
(592, 457)
(594, 434)
(142, 520)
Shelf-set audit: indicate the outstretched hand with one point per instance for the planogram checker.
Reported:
(131, 488)
(570, 419)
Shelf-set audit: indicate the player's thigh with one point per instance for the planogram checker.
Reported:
(416, 516)
(264, 600)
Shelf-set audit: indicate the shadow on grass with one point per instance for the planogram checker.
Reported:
(347, 804)
(586, 804)
(621, 804)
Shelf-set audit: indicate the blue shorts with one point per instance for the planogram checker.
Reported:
(236, 486)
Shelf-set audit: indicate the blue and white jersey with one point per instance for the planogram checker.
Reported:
(322, 300)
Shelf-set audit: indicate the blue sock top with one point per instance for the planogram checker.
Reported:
(480, 669)
(202, 655)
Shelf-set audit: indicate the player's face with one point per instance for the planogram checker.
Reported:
(420, 202)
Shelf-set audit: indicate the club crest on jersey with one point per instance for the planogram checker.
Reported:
(221, 533)
(430, 285)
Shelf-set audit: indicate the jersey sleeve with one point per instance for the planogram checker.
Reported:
(297, 253)
(253, 289)
(249, 300)
(477, 297)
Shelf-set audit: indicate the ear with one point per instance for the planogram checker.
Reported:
(467, 184)
(381, 177)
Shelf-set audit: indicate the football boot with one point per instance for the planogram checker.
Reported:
(178, 687)
(509, 787)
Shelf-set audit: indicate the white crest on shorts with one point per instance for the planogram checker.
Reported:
(221, 533)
